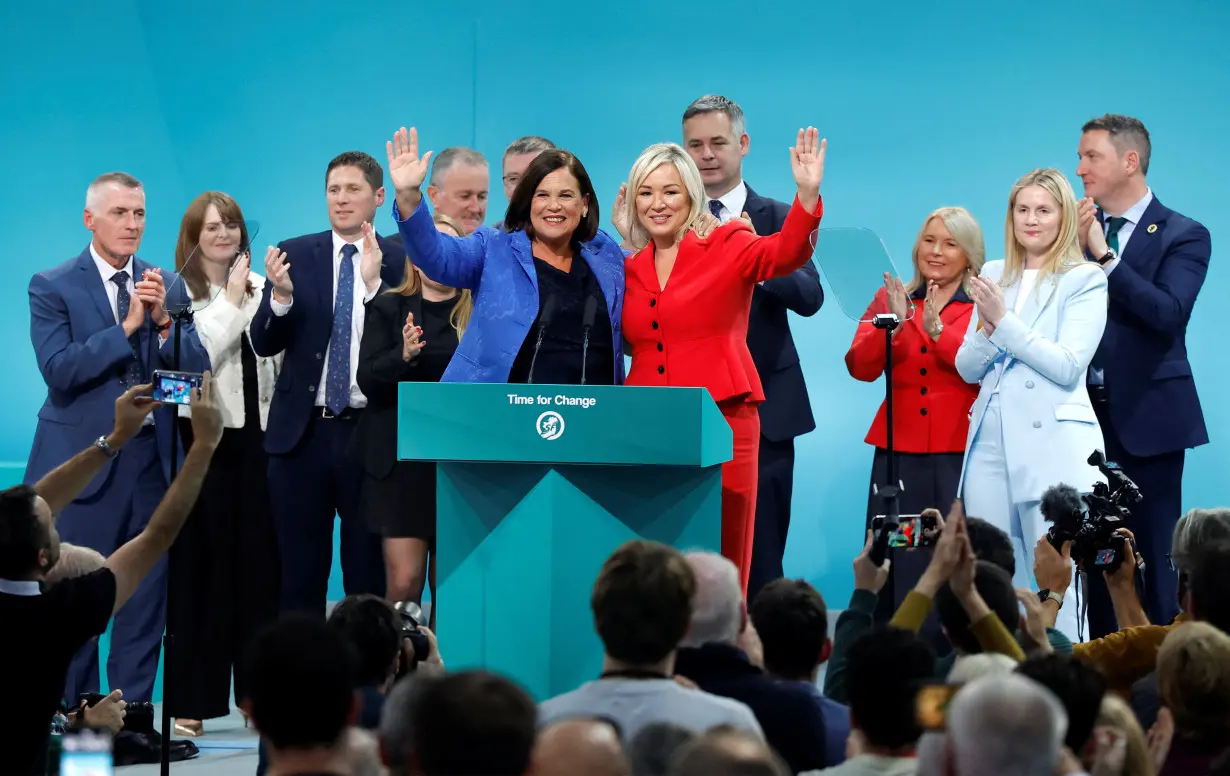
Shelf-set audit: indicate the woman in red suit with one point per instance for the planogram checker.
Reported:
(687, 302)
(931, 402)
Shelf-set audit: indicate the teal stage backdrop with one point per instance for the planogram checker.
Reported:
(924, 104)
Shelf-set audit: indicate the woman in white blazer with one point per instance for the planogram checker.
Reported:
(224, 566)
(1038, 318)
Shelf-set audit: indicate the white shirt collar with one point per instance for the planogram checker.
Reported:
(339, 241)
(21, 587)
(106, 270)
(1137, 211)
(733, 201)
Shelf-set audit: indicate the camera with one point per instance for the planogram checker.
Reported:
(1091, 522)
(412, 619)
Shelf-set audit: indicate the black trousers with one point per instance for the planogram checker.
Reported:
(224, 578)
(774, 491)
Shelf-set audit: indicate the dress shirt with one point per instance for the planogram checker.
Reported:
(732, 201)
(361, 297)
(113, 296)
(1133, 216)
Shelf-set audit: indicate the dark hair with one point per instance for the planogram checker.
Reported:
(193, 272)
(301, 683)
(712, 754)
(995, 587)
(793, 623)
(472, 723)
(372, 627)
(547, 162)
(886, 668)
(991, 543)
(642, 602)
(654, 746)
(528, 145)
(1078, 686)
(371, 169)
(1126, 134)
(22, 534)
(1208, 584)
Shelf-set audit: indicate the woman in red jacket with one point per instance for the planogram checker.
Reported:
(687, 302)
(931, 402)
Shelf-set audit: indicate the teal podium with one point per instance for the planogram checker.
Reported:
(537, 485)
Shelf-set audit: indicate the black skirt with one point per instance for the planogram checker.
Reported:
(403, 504)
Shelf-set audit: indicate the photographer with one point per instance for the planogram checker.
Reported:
(54, 624)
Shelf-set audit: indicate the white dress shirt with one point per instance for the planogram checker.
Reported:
(732, 201)
(113, 296)
(361, 297)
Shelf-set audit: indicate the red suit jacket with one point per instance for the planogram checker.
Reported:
(694, 333)
(931, 403)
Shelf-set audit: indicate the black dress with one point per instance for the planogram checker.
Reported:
(564, 338)
(398, 497)
(224, 574)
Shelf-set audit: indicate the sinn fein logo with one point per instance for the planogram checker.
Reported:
(550, 425)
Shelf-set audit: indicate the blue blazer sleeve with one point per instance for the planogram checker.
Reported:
(192, 354)
(977, 354)
(453, 261)
(271, 333)
(69, 366)
(1082, 321)
(1165, 304)
(799, 291)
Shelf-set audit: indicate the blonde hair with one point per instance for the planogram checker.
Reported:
(651, 159)
(1065, 253)
(459, 316)
(1115, 713)
(1193, 678)
(968, 234)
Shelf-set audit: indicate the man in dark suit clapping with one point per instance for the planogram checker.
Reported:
(715, 134)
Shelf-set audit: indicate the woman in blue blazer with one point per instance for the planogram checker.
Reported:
(539, 315)
(1038, 318)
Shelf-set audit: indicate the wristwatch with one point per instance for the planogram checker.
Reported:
(102, 444)
(937, 330)
(1050, 595)
(1109, 256)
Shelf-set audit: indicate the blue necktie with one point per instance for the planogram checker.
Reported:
(337, 389)
(134, 374)
(715, 207)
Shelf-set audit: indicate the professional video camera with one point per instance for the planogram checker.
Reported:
(1091, 522)
(411, 620)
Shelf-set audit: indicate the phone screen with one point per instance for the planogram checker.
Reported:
(909, 530)
(86, 753)
(175, 387)
(931, 705)
(1104, 557)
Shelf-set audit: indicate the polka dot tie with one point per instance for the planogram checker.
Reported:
(134, 373)
(337, 388)
(715, 207)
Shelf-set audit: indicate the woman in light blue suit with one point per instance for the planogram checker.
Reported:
(1038, 319)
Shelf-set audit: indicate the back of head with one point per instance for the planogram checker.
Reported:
(654, 746)
(1193, 678)
(793, 622)
(1117, 714)
(530, 144)
(1079, 687)
(724, 752)
(1208, 584)
(470, 723)
(991, 543)
(371, 626)
(1006, 726)
(22, 534)
(642, 602)
(969, 668)
(886, 668)
(995, 586)
(717, 606)
(583, 745)
(298, 663)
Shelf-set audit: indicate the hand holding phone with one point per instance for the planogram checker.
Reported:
(175, 387)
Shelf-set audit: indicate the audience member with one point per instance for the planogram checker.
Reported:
(1078, 686)
(652, 749)
(1004, 726)
(792, 720)
(727, 752)
(471, 723)
(458, 186)
(372, 628)
(642, 604)
(517, 158)
(1193, 678)
(580, 746)
(1116, 715)
(992, 585)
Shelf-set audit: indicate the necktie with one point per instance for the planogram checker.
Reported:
(134, 374)
(337, 388)
(715, 207)
(1113, 225)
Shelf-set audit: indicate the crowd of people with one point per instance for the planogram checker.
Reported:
(1010, 375)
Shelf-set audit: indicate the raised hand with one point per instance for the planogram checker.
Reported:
(206, 415)
(153, 295)
(619, 215)
(411, 345)
(135, 318)
(369, 265)
(130, 411)
(989, 298)
(277, 269)
(931, 311)
(237, 280)
(898, 300)
(1086, 215)
(807, 163)
(407, 169)
(867, 575)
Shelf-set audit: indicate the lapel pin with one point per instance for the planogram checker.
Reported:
(1152, 228)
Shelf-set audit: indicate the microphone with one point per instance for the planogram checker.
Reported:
(587, 323)
(544, 320)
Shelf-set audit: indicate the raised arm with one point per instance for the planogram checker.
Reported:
(69, 366)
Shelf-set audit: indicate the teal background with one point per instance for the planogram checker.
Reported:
(923, 104)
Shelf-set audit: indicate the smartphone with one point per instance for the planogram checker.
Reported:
(175, 387)
(909, 530)
(931, 706)
(86, 753)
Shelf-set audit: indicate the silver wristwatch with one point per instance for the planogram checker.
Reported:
(102, 444)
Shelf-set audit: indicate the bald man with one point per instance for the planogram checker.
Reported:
(727, 752)
(576, 746)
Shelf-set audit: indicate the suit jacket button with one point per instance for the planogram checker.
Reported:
(312, 389)
(1029, 383)
(1037, 424)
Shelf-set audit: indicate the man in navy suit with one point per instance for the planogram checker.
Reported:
(1140, 381)
(715, 134)
(100, 325)
(313, 310)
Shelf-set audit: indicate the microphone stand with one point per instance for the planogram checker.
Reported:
(891, 491)
(584, 353)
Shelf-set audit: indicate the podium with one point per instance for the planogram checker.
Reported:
(536, 486)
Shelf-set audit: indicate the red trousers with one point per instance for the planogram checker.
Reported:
(739, 478)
